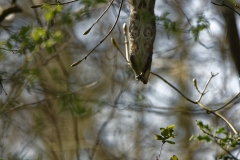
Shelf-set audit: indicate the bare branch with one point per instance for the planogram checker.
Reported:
(216, 140)
(198, 101)
(12, 9)
(173, 87)
(223, 4)
(203, 92)
(76, 63)
(227, 103)
(59, 3)
(86, 32)
(218, 115)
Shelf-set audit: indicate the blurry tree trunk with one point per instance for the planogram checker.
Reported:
(232, 35)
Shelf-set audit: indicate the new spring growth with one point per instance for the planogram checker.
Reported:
(195, 83)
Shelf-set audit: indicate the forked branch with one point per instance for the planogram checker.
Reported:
(200, 97)
(223, 4)
(53, 4)
(120, 8)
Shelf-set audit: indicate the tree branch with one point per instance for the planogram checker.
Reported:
(59, 3)
(223, 4)
(7, 11)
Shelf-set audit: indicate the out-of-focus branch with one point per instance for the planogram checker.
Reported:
(59, 3)
(223, 4)
(14, 8)
(10, 50)
(227, 103)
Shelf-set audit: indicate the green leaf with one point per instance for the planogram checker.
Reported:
(165, 132)
(38, 33)
(48, 16)
(171, 126)
(200, 124)
(220, 130)
(58, 9)
(174, 157)
(171, 142)
(8, 44)
(57, 36)
(204, 138)
(24, 30)
(158, 137)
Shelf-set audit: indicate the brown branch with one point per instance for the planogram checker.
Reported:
(12, 9)
(203, 92)
(1, 88)
(59, 3)
(198, 101)
(220, 116)
(216, 141)
(227, 103)
(10, 50)
(86, 32)
(223, 4)
(76, 63)
(174, 88)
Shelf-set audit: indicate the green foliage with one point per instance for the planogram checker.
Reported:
(73, 104)
(169, 25)
(174, 157)
(172, 26)
(166, 134)
(224, 139)
(51, 11)
(38, 34)
(202, 24)
(22, 38)
(90, 3)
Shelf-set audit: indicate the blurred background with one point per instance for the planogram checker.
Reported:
(97, 110)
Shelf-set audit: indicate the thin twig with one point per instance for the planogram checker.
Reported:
(189, 22)
(76, 63)
(10, 50)
(198, 101)
(116, 46)
(86, 32)
(173, 87)
(227, 103)
(160, 151)
(204, 89)
(59, 3)
(224, 5)
(220, 116)
(216, 140)
(2, 88)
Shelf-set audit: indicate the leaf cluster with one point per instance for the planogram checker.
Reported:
(226, 140)
(202, 24)
(169, 25)
(166, 134)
